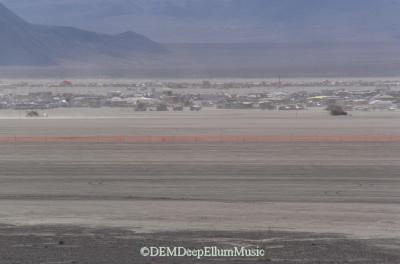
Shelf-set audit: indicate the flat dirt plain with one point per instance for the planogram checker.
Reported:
(97, 202)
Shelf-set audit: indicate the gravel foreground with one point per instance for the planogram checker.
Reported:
(66, 244)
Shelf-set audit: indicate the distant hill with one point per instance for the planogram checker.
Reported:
(23, 43)
(252, 38)
(225, 20)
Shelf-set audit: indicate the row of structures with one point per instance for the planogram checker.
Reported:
(200, 84)
(164, 99)
(378, 99)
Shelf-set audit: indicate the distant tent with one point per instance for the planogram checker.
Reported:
(66, 83)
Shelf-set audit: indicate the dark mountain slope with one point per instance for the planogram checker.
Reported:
(225, 20)
(23, 43)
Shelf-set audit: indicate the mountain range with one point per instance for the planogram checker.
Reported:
(200, 38)
(222, 21)
(24, 43)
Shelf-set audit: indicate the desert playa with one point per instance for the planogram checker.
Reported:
(348, 189)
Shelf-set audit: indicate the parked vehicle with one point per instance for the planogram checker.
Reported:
(337, 110)
(195, 108)
(32, 114)
(177, 108)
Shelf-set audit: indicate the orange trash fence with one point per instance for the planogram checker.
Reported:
(200, 139)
